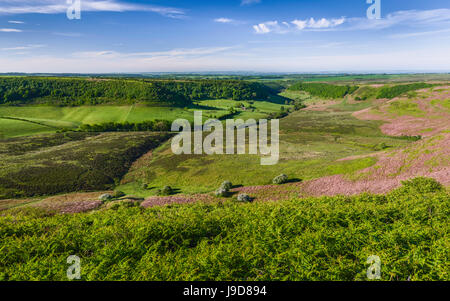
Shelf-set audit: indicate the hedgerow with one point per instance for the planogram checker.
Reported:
(327, 238)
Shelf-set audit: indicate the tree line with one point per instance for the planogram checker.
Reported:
(150, 125)
(218, 89)
(77, 91)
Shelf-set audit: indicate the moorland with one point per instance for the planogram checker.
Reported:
(366, 159)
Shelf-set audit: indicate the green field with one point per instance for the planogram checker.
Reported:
(15, 128)
(52, 118)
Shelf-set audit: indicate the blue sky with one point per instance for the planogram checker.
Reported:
(224, 35)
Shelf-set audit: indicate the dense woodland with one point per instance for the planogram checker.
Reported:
(394, 91)
(324, 90)
(74, 91)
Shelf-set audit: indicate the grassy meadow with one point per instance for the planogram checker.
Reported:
(35, 119)
(310, 144)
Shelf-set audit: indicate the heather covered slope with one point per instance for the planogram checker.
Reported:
(69, 162)
(424, 113)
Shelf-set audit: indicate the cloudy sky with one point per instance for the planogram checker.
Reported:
(224, 35)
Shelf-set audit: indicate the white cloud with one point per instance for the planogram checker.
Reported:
(10, 30)
(408, 17)
(68, 34)
(413, 18)
(16, 22)
(148, 55)
(58, 6)
(250, 2)
(27, 47)
(427, 59)
(417, 34)
(271, 26)
(284, 27)
(300, 24)
(325, 23)
(223, 20)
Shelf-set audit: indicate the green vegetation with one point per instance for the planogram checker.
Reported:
(57, 163)
(78, 91)
(166, 190)
(442, 103)
(366, 92)
(34, 119)
(310, 144)
(281, 179)
(324, 90)
(397, 90)
(405, 107)
(328, 238)
(152, 126)
(16, 128)
(74, 92)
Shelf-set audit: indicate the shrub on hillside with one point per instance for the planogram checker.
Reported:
(166, 190)
(281, 179)
(105, 197)
(118, 194)
(222, 192)
(243, 197)
(420, 185)
(226, 185)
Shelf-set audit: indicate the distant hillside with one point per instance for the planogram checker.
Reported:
(77, 91)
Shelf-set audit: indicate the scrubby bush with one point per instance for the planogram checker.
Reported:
(105, 197)
(243, 197)
(118, 194)
(222, 192)
(166, 190)
(226, 185)
(122, 204)
(224, 189)
(419, 185)
(281, 179)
